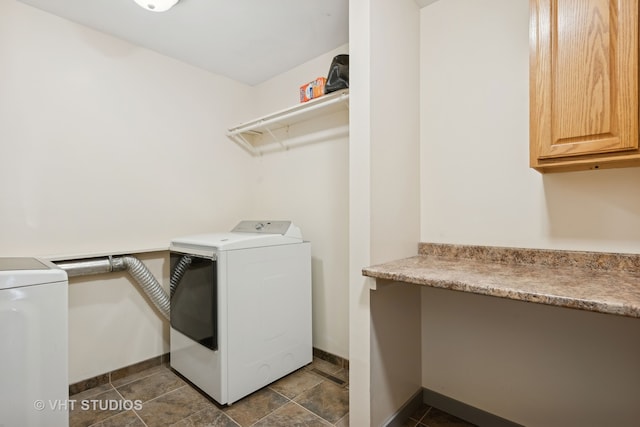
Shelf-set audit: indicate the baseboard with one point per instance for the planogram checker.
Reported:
(400, 418)
(332, 358)
(108, 377)
(466, 412)
(451, 406)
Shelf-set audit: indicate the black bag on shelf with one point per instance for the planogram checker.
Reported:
(338, 77)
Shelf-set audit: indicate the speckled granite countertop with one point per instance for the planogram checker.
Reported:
(600, 282)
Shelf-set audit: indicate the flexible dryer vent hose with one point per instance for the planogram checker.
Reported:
(178, 272)
(149, 284)
(143, 277)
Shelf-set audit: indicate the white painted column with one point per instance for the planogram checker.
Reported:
(384, 204)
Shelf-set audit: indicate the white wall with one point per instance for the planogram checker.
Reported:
(308, 184)
(534, 365)
(103, 143)
(85, 117)
(384, 205)
(395, 200)
(111, 322)
(476, 185)
(106, 146)
(359, 214)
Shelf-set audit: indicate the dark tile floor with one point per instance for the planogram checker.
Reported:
(427, 416)
(316, 395)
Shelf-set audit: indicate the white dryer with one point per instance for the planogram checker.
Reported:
(240, 307)
(34, 383)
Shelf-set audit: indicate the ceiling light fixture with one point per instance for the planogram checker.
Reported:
(156, 5)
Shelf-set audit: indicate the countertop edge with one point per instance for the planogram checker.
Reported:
(414, 270)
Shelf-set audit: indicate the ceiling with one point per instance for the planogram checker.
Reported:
(246, 40)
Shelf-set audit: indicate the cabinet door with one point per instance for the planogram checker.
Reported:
(584, 78)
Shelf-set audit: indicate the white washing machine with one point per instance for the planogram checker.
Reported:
(34, 383)
(240, 307)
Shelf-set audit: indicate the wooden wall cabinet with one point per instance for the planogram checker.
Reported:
(583, 84)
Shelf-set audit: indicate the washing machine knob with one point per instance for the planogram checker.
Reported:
(259, 226)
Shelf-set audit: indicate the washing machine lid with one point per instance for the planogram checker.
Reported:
(247, 234)
(16, 272)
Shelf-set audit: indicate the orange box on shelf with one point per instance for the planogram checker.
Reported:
(312, 89)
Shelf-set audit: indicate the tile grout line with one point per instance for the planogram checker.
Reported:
(163, 360)
(327, 376)
(277, 392)
(291, 400)
(275, 410)
(311, 412)
(147, 401)
(121, 412)
(321, 374)
(95, 396)
(170, 391)
(343, 417)
(133, 410)
(233, 419)
(205, 409)
(136, 379)
(425, 414)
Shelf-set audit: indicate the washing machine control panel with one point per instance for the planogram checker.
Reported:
(267, 227)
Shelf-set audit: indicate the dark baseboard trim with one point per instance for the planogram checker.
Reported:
(409, 408)
(332, 358)
(108, 377)
(466, 412)
(451, 406)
